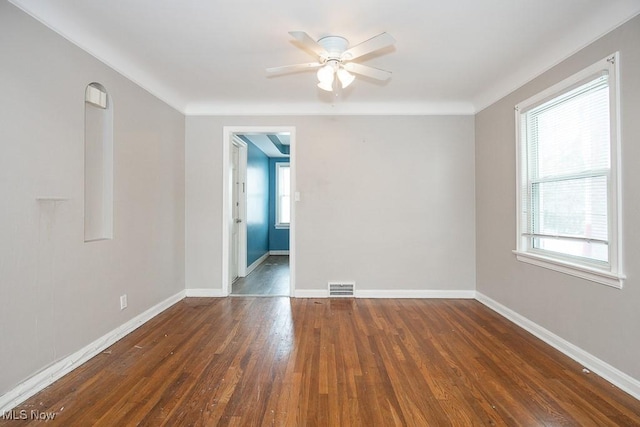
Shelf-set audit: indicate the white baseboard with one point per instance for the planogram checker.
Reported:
(312, 293)
(606, 371)
(215, 293)
(279, 252)
(257, 263)
(418, 294)
(366, 293)
(54, 372)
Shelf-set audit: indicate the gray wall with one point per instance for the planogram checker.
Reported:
(58, 293)
(601, 320)
(385, 201)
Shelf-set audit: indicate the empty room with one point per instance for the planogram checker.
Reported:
(414, 213)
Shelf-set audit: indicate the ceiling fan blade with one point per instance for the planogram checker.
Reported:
(365, 70)
(374, 43)
(294, 68)
(309, 43)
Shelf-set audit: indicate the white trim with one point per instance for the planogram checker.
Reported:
(204, 293)
(392, 294)
(606, 371)
(594, 275)
(417, 294)
(227, 135)
(560, 87)
(292, 225)
(257, 263)
(243, 159)
(312, 293)
(279, 252)
(226, 200)
(453, 108)
(57, 370)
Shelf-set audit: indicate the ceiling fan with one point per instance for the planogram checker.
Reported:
(335, 59)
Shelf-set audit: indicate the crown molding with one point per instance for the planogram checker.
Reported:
(338, 108)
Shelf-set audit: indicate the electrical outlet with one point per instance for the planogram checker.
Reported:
(123, 302)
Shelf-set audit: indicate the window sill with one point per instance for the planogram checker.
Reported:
(592, 274)
(282, 226)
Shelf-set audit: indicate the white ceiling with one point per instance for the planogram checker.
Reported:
(264, 143)
(450, 57)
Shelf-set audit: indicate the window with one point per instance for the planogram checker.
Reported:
(569, 176)
(283, 195)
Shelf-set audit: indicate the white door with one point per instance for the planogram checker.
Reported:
(235, 211)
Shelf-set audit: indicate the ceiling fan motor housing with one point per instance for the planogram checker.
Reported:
(335, 46)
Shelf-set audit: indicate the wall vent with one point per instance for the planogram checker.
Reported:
(342, 289)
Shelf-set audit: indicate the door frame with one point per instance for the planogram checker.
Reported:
(228, 134)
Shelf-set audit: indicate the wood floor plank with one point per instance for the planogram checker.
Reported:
(269, 278)
(331, 362)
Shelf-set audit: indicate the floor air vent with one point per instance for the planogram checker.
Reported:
(342, 289)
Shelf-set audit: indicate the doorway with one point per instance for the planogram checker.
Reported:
(250, 268)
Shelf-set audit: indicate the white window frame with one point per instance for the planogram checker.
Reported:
(277, 195)
(610, 273)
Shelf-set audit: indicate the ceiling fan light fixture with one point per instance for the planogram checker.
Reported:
(328, 86)
(335, 59)
(345, 77)
(326, 74)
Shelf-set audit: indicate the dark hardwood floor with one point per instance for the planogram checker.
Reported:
(323, 362)
(270, 278)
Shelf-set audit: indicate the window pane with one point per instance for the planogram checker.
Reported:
(590, 250)
(284, 189)
(571, 207)
(284, 180)
(572, 135)
(285, 210)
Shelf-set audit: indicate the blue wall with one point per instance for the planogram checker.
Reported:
(278, 238)
(258, 217)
